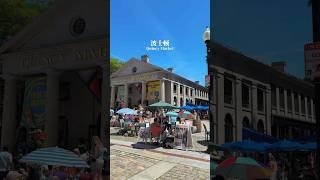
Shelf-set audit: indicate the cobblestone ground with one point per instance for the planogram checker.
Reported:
(183, 172)
(125, 165)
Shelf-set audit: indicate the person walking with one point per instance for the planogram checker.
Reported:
(98, 156)
(5, 162)
(274, 167)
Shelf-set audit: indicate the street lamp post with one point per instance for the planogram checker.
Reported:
(206, 39)
(316, 80)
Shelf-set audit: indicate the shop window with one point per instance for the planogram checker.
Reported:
(296, 103)
(303, 105)
(273, 97)
(175, 100)
(245, 122)
(281, 96)
(260, 126)
(308, 73)
(309, 106)
(228, 128)
(245, 95)
(289, 101)
(260, 99)
(228, 92)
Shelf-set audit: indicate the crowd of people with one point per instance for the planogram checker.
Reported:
(95, 156)
(164, 124)
(284, 165)
(287, 165)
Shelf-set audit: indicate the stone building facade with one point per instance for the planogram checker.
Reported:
(46, 69)
(140, 82)
(247, 93)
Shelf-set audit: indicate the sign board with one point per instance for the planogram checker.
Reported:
(153, 90)
(180, 139)
(34, 106)
(120, 94)
(312, 60)
(207, 79)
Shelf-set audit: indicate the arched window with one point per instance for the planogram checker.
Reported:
(245, 122)
(175, 100)
(228, 128)
(260, 126)
(181, 101)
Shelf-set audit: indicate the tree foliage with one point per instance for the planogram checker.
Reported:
(15, 14)
(115, 64)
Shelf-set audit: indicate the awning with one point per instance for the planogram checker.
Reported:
(257, 137)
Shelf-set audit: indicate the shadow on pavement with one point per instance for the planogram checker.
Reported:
(142, 145)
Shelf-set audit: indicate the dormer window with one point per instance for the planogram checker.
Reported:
(134, 69)
(77, 26)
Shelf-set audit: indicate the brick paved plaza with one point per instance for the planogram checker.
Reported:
(140, 164)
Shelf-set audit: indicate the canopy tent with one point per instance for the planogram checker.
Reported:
(187, 108)
(191, 107)
(257, 137)
(310, 146)
(283, 145)
(307, 139)
(203, 108)
(286, 145)
(247, 146)
(190, 104)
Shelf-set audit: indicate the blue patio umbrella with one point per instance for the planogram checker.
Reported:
(310, 146)
(127, 111)
(188, 108)
(203, 108)
(54, 156)
(246, 146)
(285, 145)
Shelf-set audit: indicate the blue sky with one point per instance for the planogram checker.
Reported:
(134, 23)
(268, 30)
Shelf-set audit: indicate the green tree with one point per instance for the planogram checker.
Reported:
(15, 14)
(115, 64)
